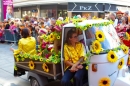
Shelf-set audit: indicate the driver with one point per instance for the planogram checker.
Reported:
(74, 56)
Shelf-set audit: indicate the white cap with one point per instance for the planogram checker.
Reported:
(79, 16)
(35, 22)
(60, 18)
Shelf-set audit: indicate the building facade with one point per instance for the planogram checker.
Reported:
(56, 8)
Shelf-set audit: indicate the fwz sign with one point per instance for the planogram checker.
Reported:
(85, 7)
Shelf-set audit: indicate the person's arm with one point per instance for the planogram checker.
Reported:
(68, 63)
(66, 57)
(17, 51)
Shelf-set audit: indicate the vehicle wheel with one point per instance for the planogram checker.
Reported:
(34, 82)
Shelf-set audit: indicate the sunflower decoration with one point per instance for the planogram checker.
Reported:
(100, 36)
(41, 59)
(45, 67)
(125, 49)
(31, 65)
(121, 63)
(96, 47)
(104, 81)
(58, 37)
(127, 36)
(90, 25)
(51, 37)
(112, 57)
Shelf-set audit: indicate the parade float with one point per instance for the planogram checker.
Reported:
(106, 57)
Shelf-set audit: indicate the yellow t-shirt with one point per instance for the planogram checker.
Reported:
(26, 45)
(73, 54)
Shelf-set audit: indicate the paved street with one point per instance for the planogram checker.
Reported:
(6, 68)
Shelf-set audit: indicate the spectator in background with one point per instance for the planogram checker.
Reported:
(41, 25)
(119, 16)
(60, 18)
(113, 18)
(126, 15)
(1, 34)
(12, 27)
(7, 26)
(47, 22)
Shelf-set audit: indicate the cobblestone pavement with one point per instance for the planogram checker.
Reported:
(6, 68)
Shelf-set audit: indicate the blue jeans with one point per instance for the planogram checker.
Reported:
(77, 76)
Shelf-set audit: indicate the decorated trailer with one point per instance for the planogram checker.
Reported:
(106, 57)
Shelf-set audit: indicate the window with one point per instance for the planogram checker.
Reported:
(111, 38)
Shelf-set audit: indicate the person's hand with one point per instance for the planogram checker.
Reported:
(80, 66)
(11, 49)
(74, 68)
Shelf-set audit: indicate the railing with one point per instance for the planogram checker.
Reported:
(10, 37)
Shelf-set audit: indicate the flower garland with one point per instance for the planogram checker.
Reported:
(112, 57)
(121, 63)
(104, 81)
(54, 58)
(31, 65)
(59, 23)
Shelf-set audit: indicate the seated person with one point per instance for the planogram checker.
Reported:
(26, 44)
(74, 56)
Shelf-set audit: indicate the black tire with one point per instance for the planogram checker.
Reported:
(34, 82)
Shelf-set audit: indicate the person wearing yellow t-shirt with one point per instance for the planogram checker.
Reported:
(74, 56)
(26, 44)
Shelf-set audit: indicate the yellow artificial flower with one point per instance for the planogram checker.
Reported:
(58, 37)
(96, 47)
(127, 36)
(104, 81)
(52, 50)
(55, 62)
(17, 59)
(23, 59)
(121, 63)
(125, 49)
(15, 68)
(112, 57)
(86, 67)
(41, 59)
(100, 36)
(48, 60)
(31, 65)
(51, 37)
(45, 67)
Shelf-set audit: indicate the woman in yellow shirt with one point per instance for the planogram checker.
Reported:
(74, 55)
(26, 44)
